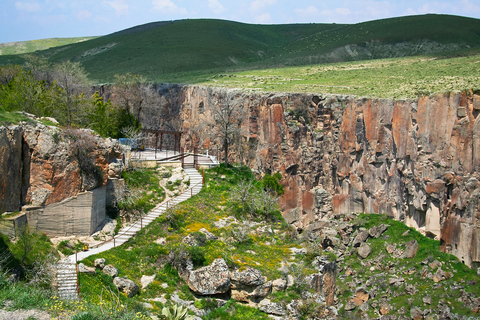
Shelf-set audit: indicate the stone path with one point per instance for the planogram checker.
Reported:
(67, 275)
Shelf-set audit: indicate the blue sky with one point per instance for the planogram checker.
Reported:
(22, 20)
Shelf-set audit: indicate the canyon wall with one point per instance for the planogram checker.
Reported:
(41, 166)
(415, 160)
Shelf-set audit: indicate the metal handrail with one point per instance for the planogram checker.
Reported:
(141, 218)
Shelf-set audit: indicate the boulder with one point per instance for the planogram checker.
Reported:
(208, 234)
(364, 250)
(376, 231)
(361, 237)
(250, 285)
(250, 277)
(410, 249)
(273, 308)
(416, 313)
(146, 280)
(279, 285)
(110, 270)
(84, 269)
(212, 279)
(361, 296)
(99, 263)
(127, 286)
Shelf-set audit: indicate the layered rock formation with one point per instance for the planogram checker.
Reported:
(416, 160)
(42, 165)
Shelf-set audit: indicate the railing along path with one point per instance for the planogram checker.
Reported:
(130, 231)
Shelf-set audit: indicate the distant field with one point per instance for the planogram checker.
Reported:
(22, 47)
(398, 78)
(390, 58)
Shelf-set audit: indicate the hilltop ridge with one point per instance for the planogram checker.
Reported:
(164, 50)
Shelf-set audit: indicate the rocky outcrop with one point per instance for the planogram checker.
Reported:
(57, 175)
(415, 160)
(41, 165)
(209, 280)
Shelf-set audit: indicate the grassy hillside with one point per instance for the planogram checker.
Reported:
(398, 78)
(182, 50)
(384, 282)
(21, 47)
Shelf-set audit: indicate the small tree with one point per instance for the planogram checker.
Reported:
(227, 121)
(25, 240)
(244, 194)
(128, 92)
(71, 78)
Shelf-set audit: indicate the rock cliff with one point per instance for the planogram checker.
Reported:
(416, 160)
(41, 165)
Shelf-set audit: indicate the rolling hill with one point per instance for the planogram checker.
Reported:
(179, 51)
(21, 47)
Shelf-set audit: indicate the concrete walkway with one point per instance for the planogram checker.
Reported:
(66, 275)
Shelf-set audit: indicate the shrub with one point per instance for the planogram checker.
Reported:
(271, 183)
(197, 254)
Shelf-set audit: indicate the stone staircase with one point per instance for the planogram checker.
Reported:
(67, 281)
(66, 271)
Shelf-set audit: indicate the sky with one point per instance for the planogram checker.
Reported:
(22, 20)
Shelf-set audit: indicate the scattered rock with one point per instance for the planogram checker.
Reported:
(212, 279)
(161, 241)
(410, 249)
(427, 300)
(271, 307)
(99, 263)
(361, 296)
(208, 234)
(364, 307)
(361, 237)
(416, 313)
(279, 285)
(350, 305)
(385, 308)
(146, 280)
(376, 231)
(110, 270)
(126, 286)
(84, 269)
(364, 250)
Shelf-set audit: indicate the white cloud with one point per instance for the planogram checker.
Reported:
(26, 6)
(84, 15)
(469, 7)
(167, 6)
(263, 18)
(257, 5)
(120, 7)
(343, 11)
(216, 6)
(309, 11)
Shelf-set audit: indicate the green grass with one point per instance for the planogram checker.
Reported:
(400, 78)
(196, 50)
(22, 47)
(428, 249)
(146, 181)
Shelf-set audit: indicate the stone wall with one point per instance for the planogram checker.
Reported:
(42, 166)
(80, 215)
(415, 160)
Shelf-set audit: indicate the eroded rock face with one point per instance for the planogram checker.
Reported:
(415, 160)
(41, 165)
(211, 279)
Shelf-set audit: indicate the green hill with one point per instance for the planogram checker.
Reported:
(21, 47)
(177, 51)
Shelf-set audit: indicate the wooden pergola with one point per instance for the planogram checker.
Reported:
(177, 138)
